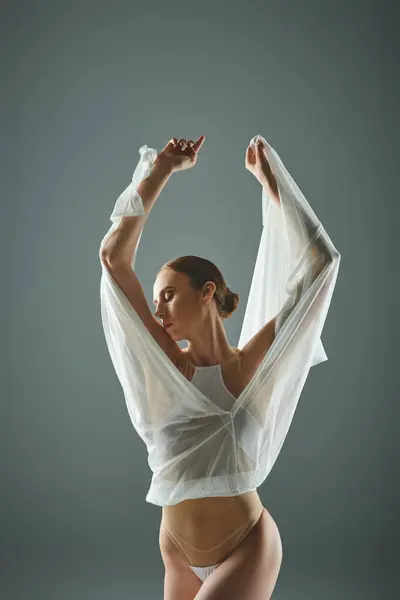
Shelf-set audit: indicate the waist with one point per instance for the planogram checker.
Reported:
(204, 521)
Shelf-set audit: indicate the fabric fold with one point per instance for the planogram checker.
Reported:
(196, 448)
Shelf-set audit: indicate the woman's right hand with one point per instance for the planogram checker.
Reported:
(179, 155)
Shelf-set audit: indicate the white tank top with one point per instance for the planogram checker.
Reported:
(210, 382)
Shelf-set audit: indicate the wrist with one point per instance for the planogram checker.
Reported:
(270, 185)
(161, 168)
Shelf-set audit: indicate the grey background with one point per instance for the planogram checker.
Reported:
(85, 84)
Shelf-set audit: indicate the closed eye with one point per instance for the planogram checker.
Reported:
(170, 294)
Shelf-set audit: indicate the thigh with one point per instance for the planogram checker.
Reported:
(180, 582)
(252, 570)
(181, 586)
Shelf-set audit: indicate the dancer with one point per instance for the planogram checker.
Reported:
(214, 417)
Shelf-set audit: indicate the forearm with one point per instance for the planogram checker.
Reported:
(151, 187)
(300, 249)
(301, 221)
(122, 242)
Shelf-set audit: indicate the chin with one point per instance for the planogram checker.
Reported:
(175, 336)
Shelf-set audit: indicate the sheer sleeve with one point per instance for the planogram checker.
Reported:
(129, 203)
(294, 251)
(293, 280)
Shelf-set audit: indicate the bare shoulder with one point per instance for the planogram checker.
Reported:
(256, 348)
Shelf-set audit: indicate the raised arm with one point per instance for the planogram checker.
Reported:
(118, 248)
(135, 203)
(294, 252)
(310, 248)
(303, 225)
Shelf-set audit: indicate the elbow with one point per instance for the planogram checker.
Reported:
(110, 252)
(329, 255)
(107, 257)
(334, 256)
(104, 254)
(324, 247)
(104, 259)
(111, 261)
(325, 260)
(332, 261)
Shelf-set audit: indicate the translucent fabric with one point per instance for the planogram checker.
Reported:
(195, 448)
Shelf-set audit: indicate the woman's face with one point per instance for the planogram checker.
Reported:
(178, 304)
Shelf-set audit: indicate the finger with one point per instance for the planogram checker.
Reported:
(171, 144)
(189, 148)
(262, 157)
(199, 143)
(260, 151)
(250, 156)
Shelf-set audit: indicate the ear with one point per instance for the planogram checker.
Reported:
(209, 289)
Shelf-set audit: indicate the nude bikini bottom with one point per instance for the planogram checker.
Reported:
(212, 557)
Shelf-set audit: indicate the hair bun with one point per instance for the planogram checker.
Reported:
(230, 303)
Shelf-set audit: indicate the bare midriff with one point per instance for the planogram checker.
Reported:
(204, 522)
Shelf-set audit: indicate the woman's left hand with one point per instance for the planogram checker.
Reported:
(179, 155)
(256, 162)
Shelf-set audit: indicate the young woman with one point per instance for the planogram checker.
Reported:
(214, 416)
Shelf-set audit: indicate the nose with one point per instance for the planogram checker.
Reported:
(159, 312)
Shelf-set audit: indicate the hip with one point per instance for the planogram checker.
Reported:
(208, 524)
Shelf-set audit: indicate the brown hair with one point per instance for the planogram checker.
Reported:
(200, 270)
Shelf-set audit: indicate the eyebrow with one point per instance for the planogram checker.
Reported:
(164, 289)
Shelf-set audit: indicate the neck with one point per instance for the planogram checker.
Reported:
(210, 347)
